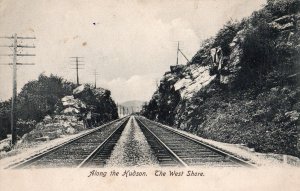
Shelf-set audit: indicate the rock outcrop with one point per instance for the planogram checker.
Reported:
(54, 127)
(86, 108)
(242, 86)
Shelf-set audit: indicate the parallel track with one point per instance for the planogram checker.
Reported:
(93, 149)
(98, 158)
(79, 151)
(173, 148)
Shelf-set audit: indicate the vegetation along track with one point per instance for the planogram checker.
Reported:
(80, 151)
(173, 148)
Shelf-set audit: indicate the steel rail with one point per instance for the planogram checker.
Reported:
(164, 145)
(223, 153)
(36, 157)
(101, 146)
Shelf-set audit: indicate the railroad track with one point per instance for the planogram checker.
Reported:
(88, 150)
(93, 149)
(173, 148)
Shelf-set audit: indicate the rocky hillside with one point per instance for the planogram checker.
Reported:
(87, 107)
(242, 86)
(50, 107)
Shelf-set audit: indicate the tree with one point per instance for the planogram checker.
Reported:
(39, 97)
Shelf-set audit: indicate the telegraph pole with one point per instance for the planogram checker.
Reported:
(177, 52)
(180, 51)
(96, 74)
(14, 64)
(77, 61)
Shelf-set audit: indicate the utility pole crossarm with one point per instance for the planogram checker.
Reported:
(24, 64)
(18, 64)
(77, 68)
(25, 46)
(32, 38)
(76, 57)
(12, 37)
(25, 54)
(19, 46)
(14, 64)
(17, 55)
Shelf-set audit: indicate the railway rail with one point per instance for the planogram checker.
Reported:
(94, 148)
(173, 148)
(80, 151)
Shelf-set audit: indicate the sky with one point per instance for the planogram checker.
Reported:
(130, 43)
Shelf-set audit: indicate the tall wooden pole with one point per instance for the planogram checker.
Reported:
(177, 52)
(77, 71)
(14, 97)
(95, 81)
(77, 63)
(14, 64)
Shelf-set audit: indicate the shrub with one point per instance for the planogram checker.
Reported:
(283, 7)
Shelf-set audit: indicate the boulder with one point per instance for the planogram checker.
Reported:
(286, 22)
(32, 136)
(67, 99)
(5, 145)
(275, 89)
(51, 126)
(80, 89)
(216, 55)
(282, 27)
(70, 130)
(59, 118)
(47, 119)
(292, 115)
(176, 68)
(45, 138)
(228, 67)
(232, 65)
(285, 19)
(70, 101)
(70, 110)
(59, 132)
(51, 135)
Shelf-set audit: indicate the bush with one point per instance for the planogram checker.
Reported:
(283, 7)
(259, 54)
(4, 119)
(225, 36)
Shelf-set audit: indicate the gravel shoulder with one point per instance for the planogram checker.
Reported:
(256, 158)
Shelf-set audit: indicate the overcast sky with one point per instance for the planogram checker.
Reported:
(131, 44)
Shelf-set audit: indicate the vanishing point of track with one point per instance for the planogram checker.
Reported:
(170, 147)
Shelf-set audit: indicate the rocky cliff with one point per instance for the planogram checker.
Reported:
(242, 86)
(87, 107)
